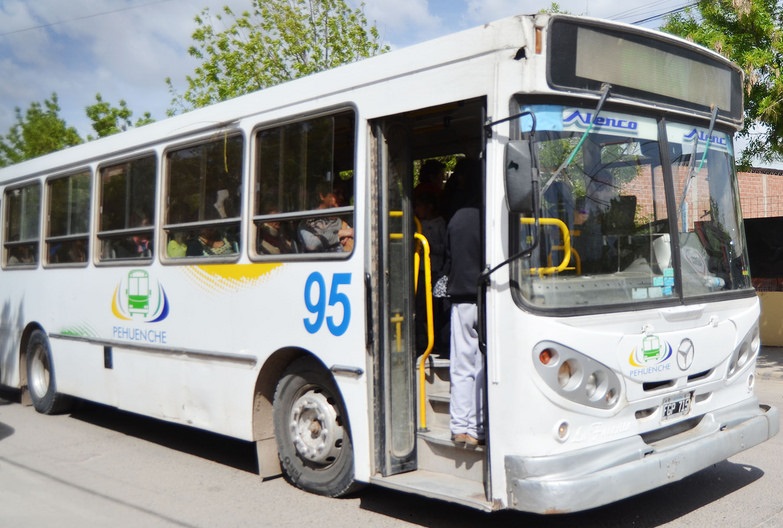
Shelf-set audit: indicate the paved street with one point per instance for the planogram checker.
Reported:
(100, 467)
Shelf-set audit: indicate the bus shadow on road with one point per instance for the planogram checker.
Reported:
(7, 397)
(647, 510)
(224, 450)
(5, 431)
(769, 364)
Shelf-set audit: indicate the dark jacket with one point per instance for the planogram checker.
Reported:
(463, 255)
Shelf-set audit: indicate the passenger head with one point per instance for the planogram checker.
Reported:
(468, 174)
(432, 172)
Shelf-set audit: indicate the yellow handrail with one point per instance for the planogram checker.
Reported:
(566, 247)
(425, 245)
(417, 259)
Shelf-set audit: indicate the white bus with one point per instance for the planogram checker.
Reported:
(251, 269)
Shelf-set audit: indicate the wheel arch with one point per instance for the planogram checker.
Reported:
(263, 412)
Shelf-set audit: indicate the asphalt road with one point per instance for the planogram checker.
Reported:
(100, 467)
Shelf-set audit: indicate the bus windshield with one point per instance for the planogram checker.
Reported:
(618, 194)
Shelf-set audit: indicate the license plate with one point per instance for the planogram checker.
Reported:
(676, 406)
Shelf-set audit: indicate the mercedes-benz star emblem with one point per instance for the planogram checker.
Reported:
(685, 354)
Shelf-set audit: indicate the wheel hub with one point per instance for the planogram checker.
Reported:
(315, 430)
(38, 381)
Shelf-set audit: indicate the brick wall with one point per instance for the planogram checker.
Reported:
(761, 193)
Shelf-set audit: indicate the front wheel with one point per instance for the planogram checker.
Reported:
(311, 426)
(40, 377)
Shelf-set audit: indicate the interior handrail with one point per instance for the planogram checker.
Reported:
(425, 248)
(566, 244)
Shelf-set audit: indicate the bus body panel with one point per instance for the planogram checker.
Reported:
(215, 329)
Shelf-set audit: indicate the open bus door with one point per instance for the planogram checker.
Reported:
(414, 449)
(396, 391)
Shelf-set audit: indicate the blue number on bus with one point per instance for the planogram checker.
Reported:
(317, 303)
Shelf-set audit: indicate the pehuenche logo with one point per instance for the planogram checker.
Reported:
(139, 298)
(651, 357)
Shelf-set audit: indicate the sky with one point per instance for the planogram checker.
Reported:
(125, 49)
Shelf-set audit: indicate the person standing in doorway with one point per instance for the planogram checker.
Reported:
(463, 267)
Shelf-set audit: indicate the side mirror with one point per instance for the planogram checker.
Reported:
(520, 172)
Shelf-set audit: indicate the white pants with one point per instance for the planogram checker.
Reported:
(467, 373)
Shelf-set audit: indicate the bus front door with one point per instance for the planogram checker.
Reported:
(396, 434)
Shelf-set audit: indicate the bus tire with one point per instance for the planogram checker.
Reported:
(40, 376)
(311, 427)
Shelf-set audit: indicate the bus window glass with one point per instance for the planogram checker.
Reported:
(708, 212)
(22, 223)
(203, 199)
(602, 189)
(304, 189)
(127, 197)
(69, 218)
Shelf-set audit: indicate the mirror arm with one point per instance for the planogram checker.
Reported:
(488, 126)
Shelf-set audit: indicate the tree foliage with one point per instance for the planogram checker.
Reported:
(41, 130)
(276, 41)
(749, 33)
(38, 131)
(107, 119)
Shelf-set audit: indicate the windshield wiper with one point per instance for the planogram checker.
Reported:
(693, 170)
(605, 89)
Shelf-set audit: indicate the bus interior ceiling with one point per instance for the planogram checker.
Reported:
(453, 128)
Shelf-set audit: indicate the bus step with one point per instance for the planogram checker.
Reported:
(439, 486)
(436, 452)
(436, 371)
(437, 410)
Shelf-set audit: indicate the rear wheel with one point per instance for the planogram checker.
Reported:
(311, 427)
(40, 377)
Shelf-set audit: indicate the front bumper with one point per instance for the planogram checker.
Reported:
(601, 474)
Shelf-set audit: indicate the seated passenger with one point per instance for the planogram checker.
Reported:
(272, 240)
(209, 243)
(326, 234)
(177, 247)
(321, 234)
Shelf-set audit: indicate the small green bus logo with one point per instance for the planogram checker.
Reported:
(139, 297)
(651, 348)
(138, 293)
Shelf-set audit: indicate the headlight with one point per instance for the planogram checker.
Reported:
(575, 376)
(745, 352)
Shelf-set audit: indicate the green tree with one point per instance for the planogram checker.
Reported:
(749, 33)
(38, 131)
(278, 40)
(107, 119)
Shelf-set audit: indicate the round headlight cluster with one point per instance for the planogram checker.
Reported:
(577, 377)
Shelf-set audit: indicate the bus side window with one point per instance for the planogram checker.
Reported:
(68, 214)
(22, 224)
(304, 187)
(127, 198)
(203, 196)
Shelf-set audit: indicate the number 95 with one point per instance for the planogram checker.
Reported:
(318, 304)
